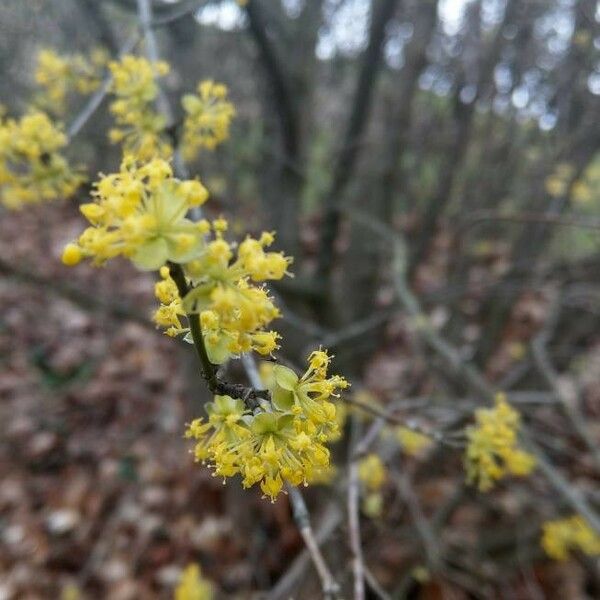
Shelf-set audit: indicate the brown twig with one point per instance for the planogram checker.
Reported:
(250, 395)
(467, 372)
(528, 217)
(547, 371)
(329, 585)
(74, 295)
(424, 528)
(288, 583)
(357, 121)
(97, 98)
(353, 498)
(389, 417)
(375, 585)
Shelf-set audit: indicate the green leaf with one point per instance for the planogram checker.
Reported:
(198, 299)
(264, 423)
(285, 378)
(218, 353)
(282, 399)
(151, 255)
(285, 422)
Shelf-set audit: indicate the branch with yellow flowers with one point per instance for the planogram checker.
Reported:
(249, 395)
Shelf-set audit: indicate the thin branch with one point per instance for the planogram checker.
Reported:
(362, 447)
(183, 9)
(571, 494)
(74, 295)
(98, 96)
(375, 585)
(481, 216)
(467, 372)
(284, 98)
(250, 395)
(209, 371)
(389, 417)
(357, 328)
(424, 528)
(354, 537)
(546, 369)
(145, 17)
(299, 508)
(288, 583)
(329, 585)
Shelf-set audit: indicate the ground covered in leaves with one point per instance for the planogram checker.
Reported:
(97, 488)
(99, 497)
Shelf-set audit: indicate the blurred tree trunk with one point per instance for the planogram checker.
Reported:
(362, 263)
(396, 143)
(578, 138)
(382, 11)
(283, 197)
(464, 110)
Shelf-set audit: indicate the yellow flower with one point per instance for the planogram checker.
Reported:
(192, 586)
(140, 213)
(32, 168)
(563, 536)
(233, 311)
(308, 397)
(372, 505)
(207, 120)
(492, 451)
(140, 128)
(265, 447)
(412, 442)
(60, 75)
(274, 444)
(582, 192)
(372, 472)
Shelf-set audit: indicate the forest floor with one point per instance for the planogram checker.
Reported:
(99, 495)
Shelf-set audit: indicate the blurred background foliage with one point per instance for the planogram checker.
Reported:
(471, 129)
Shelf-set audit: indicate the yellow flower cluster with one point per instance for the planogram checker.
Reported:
(492, 450)
(140, 213)
(372, 472)
(170, 311)
(142, 130)
(192, 586)
(233, 313)
(373, 475)
(32, 168)
(207, 119)
(412, 442)
(563, 536)
(59, 75)
(278, 442)
(139, 126)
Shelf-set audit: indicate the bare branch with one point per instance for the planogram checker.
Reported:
(570, 409)
(430, 542)
(467, 372)
(289, 582)
(98, 96)
(530, 217)
(353, 499)
(329, 585)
